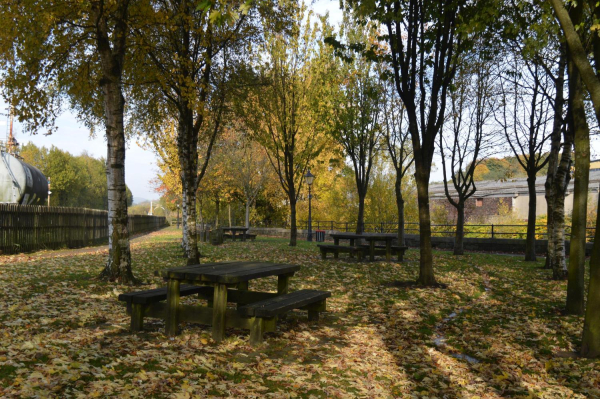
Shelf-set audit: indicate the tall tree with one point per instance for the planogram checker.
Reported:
(249, 168)
(424, 42)
(356, 105)
(590, 346)
(76, 50)
(281, 110)
(524, 118)
(581, 139)
(553, 156)
(538, 41)
(186, 54)
(397, 139)
(468, 136)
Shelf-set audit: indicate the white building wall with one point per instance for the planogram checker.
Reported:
(521, 204)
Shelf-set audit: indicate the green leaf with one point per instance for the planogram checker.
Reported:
(205, 5)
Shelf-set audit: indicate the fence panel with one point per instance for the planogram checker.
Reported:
(514, 231)
(26, 228)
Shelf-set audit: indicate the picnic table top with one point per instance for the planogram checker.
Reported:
(229, 272)
(236, 228)
(365, 236)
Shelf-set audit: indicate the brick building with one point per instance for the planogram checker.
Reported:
(494, 197)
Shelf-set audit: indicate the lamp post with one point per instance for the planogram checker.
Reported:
(309, 180)
(177, 215)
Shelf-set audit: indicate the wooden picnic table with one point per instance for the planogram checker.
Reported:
(371, 238)
(227, 278)
(237, 229)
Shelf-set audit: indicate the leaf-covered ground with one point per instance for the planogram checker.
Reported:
(496, 331)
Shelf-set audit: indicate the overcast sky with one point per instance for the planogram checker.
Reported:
(140, 164)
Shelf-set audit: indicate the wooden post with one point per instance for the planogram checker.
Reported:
(256, 331)
(283, 284)
(172, 320)
(137, 317)
(372, 250)
(219, 309)
(388, 250)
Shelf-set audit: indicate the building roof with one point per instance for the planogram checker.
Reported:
(509, 187)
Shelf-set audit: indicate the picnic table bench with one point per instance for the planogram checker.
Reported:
(232, 237)
(336, 249)
(236, 232)
(220, 283)
(371, 248)
(382, 250)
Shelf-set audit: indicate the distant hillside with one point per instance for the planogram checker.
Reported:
(502, 168)
(139, 200)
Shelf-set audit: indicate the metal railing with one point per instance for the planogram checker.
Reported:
(518, 231)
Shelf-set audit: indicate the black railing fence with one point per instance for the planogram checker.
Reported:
(442, 230)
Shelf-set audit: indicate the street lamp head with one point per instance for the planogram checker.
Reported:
(309, 178)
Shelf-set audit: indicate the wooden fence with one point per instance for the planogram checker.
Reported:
(26, 228)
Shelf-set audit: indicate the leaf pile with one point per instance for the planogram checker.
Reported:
(495, 331)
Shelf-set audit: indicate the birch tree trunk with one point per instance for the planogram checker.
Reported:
(590, 346)
(118, 265)
(559, 269)
(553, 156)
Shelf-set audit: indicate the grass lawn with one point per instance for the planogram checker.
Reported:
(495, 331)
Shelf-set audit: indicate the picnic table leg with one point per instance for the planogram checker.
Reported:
(283, 284)
(372, 250)
(137, 317)
(243, 236)
(352, 244)
(336, 241)
(388, 250)
(283, 287)
(172, 320)
(257, 327)
(219, 309)
(243, 286)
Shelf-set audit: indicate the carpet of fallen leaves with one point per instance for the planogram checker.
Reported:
(496, 331)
